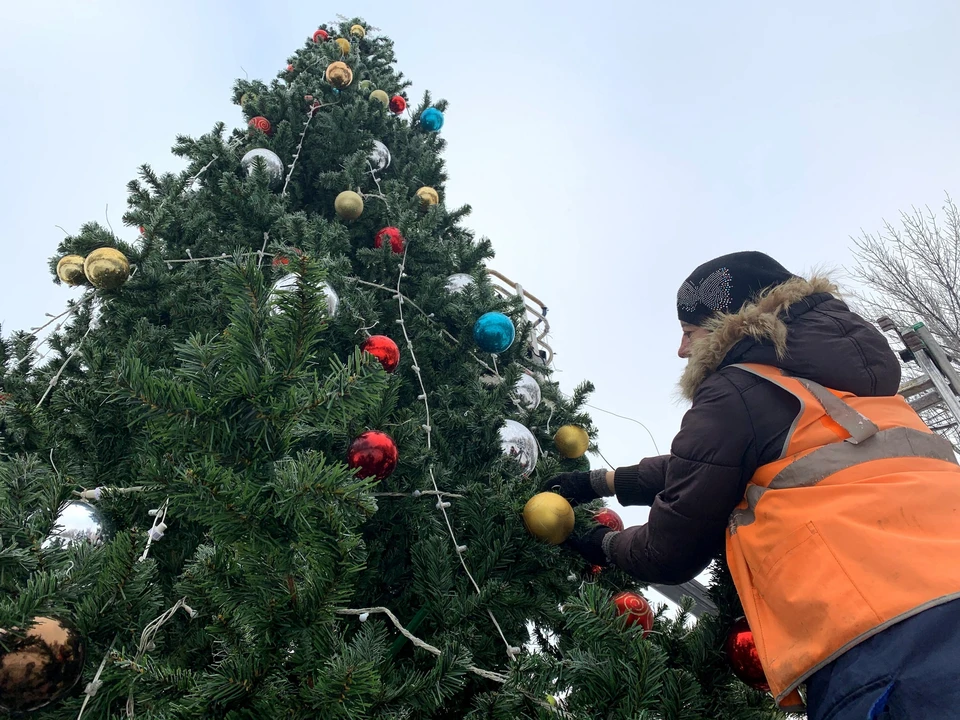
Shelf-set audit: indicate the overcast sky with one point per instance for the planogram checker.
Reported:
(606, 149)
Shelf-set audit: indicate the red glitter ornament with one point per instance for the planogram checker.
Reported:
(383, 349)
(741, 652)
(393, 235)
(397, 104)
(609, 517)
(289, 68)
(636, 608)
(320, 35)
(262, 124)
(373, 453)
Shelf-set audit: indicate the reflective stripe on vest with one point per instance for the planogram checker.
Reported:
(812, 468)
(855, 527)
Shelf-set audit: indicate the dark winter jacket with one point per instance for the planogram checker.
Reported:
(739, 421)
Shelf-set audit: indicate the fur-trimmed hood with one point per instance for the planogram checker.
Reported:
(802, 327)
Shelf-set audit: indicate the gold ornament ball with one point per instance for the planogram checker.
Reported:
(70, 270)
(247, 98)
(339, 74)
(381, 97)
(344, 45)
(548, 516)
(571, 441)
(428, 196)
(348, 205)
(41, 667)
(106, 268)
(358, 31)
(364, 85)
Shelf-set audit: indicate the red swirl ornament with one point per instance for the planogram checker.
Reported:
(610, 518)
(393, 235)
(741, 652)
(320, 35)
(397, 104)
(373, 454)
(262, 124)
(383, 349)
(636, 609)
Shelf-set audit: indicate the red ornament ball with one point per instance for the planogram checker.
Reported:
(289, 68)
(610, 518)
(373, 454)
(393, 235)
(596, 569)
(383, 349)
(397, 104)
(636, 608)
(262, 124)
(741, 652)
(320, 35)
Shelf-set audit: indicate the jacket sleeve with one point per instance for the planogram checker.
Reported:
(712, 458)
(640, 484)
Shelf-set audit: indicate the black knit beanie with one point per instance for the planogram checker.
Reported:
(726, 284)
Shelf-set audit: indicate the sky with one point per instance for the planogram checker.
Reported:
(606, 150)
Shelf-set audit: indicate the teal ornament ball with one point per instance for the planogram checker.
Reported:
(431, 119)
(494, 332)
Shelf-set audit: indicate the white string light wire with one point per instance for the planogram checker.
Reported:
(442, 506)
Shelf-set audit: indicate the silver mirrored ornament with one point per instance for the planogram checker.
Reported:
(270, 159)
(288, 283)
(526, 392)
(517, 442)
(379, 157)
(78, 522)
(458, 281)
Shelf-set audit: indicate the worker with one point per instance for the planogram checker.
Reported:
(839, 509)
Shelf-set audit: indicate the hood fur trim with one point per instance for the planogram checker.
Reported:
(759, 320)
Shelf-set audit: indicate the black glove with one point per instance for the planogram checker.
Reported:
(577, 487)
(591, 545)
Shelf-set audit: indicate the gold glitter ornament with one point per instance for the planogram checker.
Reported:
(428, 196)
(41, 667)
(106, 268)
(358, 31)
(344, 45)
(70, 270)
(348, 205)
(339, 74)
(381, 97)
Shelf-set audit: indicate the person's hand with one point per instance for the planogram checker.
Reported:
(574, 486)
(590, 545)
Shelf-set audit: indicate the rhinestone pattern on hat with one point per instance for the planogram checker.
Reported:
(712, 292)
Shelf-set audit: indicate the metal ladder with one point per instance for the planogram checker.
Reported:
(938, 388)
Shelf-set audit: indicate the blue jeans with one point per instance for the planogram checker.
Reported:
(910, 671)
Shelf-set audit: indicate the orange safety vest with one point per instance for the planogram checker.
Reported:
(854, 528)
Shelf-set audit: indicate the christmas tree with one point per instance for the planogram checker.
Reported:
(274, 461)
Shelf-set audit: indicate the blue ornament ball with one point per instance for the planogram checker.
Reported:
(431, 119)
(494, 332)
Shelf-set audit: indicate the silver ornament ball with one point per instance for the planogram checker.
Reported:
(517, 442)
(270, 159)
(78, 522)
(288, 283)
(379, 157)
(457, 282)
(526, 392)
